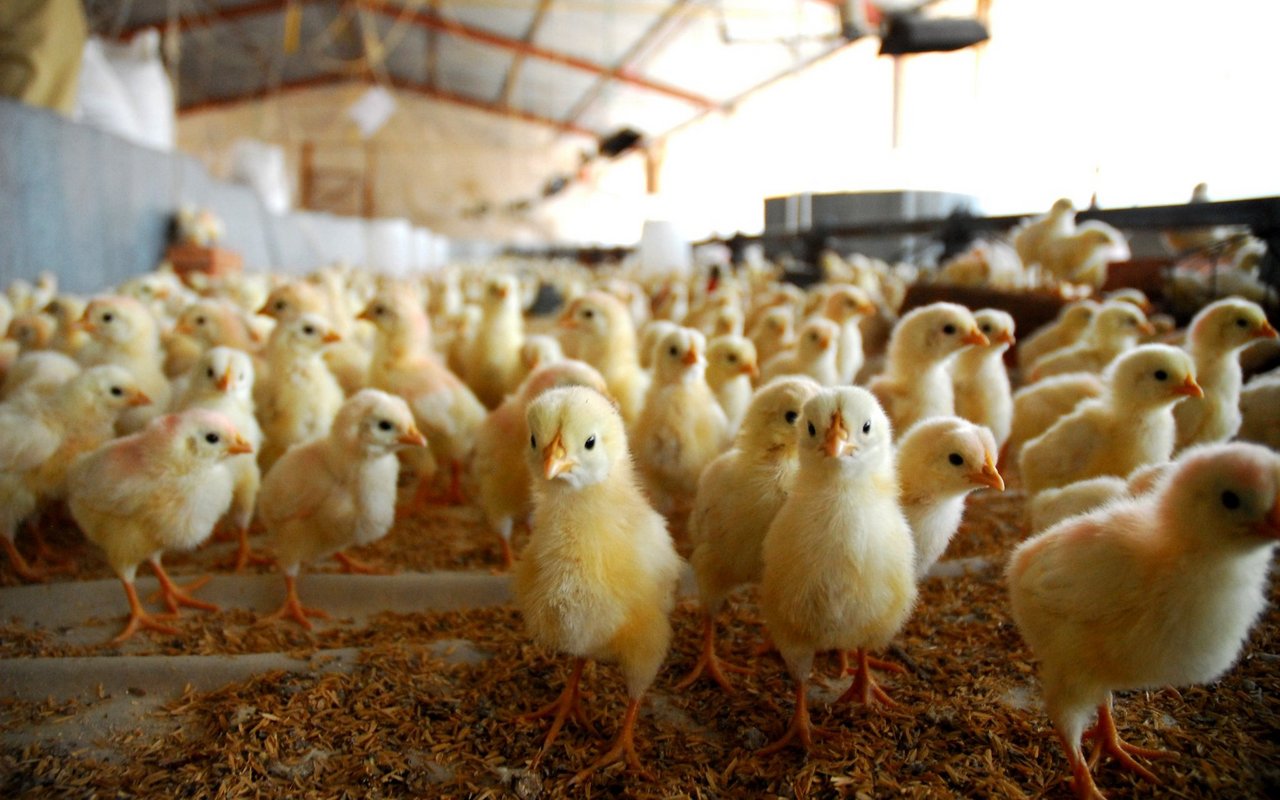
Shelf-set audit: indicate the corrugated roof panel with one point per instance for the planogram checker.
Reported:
(510, 19)
(549, 89)
(599, 36)
(622, 105)
(472, 69)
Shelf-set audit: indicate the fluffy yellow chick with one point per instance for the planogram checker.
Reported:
(773, 333)
(1130, 426)
(1260, 411)
(404, 365)
(738, 495)
(731, 367)
(1215, 338)
(682, 426)
(40, 439)
(210, 323)
(916, 383)
(1115, 328)
(980, 379)
(502, 483)
(1083, 255)
(38, 372)
(538, 350)
(846, 306)
(222, 381)
(598, 577)
(1052, 506)
(650, 334)
(66, 311)
(1038, 406)
(671, 302)
(940, 461)
(597, 329)
(493, 367)
(160, 489)
(338, 491)
(815, 354)
(32, 330)
(347, 359)
(1157, 591)
(1071, 323)
(299, 397)
(839, 562)
(123, 332)
(1030, 236)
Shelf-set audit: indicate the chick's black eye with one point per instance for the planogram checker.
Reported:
(533, 442)
(1242, 323)
(866, 426)
(117, 391)
(986, 329)
(212, 438)
(588, 313)
(108, 317)
(199, 320)
(308, 330)
(956, 459)
(812, 430)
(673, 351)
(209, 372)
(949, 329)
(590, 443)
(279, 305)
(384, 425)
(1161, 375)
(1230, 500)
(733, 359)
(792, 417)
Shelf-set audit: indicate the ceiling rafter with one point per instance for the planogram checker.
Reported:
(186, 22)
(513, 72)
(436, 93)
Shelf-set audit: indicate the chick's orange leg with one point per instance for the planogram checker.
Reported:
(624, 747)
(353, 565)
(138, 617)
(801, 728)
(1081, 778)
(708, 662)
(175, 595)
(1106, 739)
(864, 688)
(244, 554)
(569, 703)
(23, 569)
(293, 607)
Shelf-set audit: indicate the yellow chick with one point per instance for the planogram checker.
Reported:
(32, 330)
(1051, 506)
(980, 380)
(222, 381)
(338, 491)
(210, 323)
(738, 495)
(298, 399)
(41, 437)
(1157, 591)
(1029, 238)
(1038, 406)
(123, 332)
(1115, 328)
(1130, 426)
(839, 562)
(1064, 331)
(815, 354)
(160, 489)
(404, 365)
(538, 350)
(1215, 338)
(38, 372)
(598, 577)
(1260, 411)
(492, 368)
(347, 359)
(1084, 255)
(773, 333)
(940, 461)
(682, 426)
(731, 367)
(916, 383)
(671, 302)
(597, 329)
(502, 483)
(846, 305)
(650, 335)
(66, 311)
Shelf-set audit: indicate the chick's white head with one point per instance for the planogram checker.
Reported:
(594, 315)
(1227, 495)
(846, 302)
(997, 326)
(291, 299)
(845, 426)
(728, 356)
(108, 386)
(569, 372)
(1118, 320)
(576, 437)
(117, 320)
(950, 455)
(1079, 314)
(203, 320)
(307, 333)
(680, 355)
(198, 435)
(376, 423)
(936, 331)
(818, 335)
(501, 291)
(1228, 324)
(1152, 375)
(773, 417)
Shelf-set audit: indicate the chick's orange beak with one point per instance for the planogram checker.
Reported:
(139, 398)
(1146, 328)
(988, 476)
(331, 337)
(184, 327)
(1264, 331)
(1269, 528)
(366, 314)
(976, 337)
(412, 438)
(555, 459)
(85, 324)
(239, 445)
(751, 369)
(837, 442)
(1006, 338)
(224, 382)
(690, 357)
(1189, 388)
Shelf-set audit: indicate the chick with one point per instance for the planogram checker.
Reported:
(598, 330)
(68, 337)
(492, 368)
(682, 426)
(916, 383)
(1030, 237)
(1131, 425)
(337, 491)
(1260, 411)
(222, 381)
(650, 334)
(1115, 328)
(502, 484)
(210, 323)
(1064, 331)
(40, 439)
(1084, 255)
(980, 380)
(731, 367)
(160, 489)
(538, 350)
(839, 561)
(347, 359)
(846, 306)
(738, 495)
(1052, 506)
(940, 461)
(1038, 406)
(1157, 591)
(598, 577)
(815, 354)
(773, 333)
(123, 332)
(300, 396)
(1215, 338)
(38, 372)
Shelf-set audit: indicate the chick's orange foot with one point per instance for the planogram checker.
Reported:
(139, 618)
(175, 596)
(709, 663)
(294, 609)
(1106, 739)
(352, 565)
(801, 728)
(864, 687)
(24, 570)
(568, 704)
(243, 557)
(623, 749)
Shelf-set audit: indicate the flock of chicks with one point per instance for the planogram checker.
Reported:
(726, 418)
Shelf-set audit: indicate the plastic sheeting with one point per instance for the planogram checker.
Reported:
(261, 166)
(125, 90)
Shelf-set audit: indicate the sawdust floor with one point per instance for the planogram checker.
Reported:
(414, 689)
